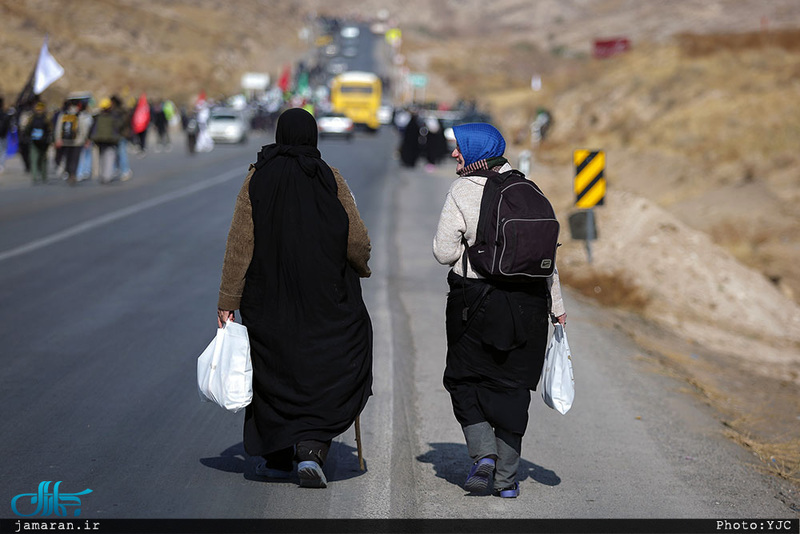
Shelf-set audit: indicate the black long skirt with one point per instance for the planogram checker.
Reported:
(495, 350)
(312, 370)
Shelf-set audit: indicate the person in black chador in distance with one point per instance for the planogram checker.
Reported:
(295, 251)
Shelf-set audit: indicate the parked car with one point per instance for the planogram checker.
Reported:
(227, 125)
(335, 125)
(336, 66)
(385, 114)
(331, 50)
(350, 32)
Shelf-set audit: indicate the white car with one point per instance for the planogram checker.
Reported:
(226, 125)
(337, 66)
(350, 32)
(335, 125)
(385, 114)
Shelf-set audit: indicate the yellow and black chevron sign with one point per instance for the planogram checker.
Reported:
(590, 184)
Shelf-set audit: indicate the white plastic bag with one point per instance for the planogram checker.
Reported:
(224, 369)
(558, 383)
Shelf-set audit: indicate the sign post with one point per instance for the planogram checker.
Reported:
(525, 162)
(418, 81)
(590, 191)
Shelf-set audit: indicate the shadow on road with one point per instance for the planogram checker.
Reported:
(342, 462)
(451, 462)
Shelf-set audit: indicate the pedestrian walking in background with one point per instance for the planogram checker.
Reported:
(24, 116)
(203, 143)
(410, 148)
(105, 134)
(59, 151)
(39, 132)
(496, 332)
(190, 126)
(168, 107)
(435, 143)
(71, 134)
(295, 251)
(85, 162)
(123, 166)
(5, 128)
(139, 123)
(159, 118)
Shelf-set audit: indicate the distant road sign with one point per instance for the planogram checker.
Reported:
(255, 81)
(590, 183)
(394, 36)
(417, 79)
(611, 47)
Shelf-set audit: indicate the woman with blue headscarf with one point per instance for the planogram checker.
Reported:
(495, 351)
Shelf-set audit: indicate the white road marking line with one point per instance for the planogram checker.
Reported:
(119, 214)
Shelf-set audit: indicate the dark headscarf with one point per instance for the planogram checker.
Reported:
(296, 138)
(299, 224)
(310, 334)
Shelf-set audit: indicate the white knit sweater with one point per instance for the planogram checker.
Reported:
(459, 217)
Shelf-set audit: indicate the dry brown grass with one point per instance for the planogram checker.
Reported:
(169, 50)
(722, 108)
(612, 290)
(777, 458)
(694, 45)
(742, 240)
(755, 414)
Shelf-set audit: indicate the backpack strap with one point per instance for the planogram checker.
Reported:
(494, 181)
(487, 288)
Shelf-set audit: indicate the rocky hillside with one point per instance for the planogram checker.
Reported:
(168, 49)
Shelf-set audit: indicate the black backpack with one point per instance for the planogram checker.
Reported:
(40, 132)
(69, 127)
(517, 234)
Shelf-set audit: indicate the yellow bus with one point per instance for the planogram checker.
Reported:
(358, 95)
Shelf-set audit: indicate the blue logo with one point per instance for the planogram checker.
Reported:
(47, 503)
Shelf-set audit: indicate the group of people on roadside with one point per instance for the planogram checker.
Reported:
(81, 142)
(69, 137)
(422, 138)
(296, 250)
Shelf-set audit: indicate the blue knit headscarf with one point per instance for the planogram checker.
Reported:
(478, 141)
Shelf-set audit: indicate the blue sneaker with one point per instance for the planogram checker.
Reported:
(479, 475)
(311, 475)
(508, 493)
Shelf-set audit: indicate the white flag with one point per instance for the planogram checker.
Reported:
(47, 70)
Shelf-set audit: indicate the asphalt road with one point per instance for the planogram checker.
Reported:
(109, 295)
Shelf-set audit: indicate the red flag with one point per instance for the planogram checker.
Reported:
(284, 80)
(141, 115)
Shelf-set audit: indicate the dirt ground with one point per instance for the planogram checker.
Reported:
(725, 329)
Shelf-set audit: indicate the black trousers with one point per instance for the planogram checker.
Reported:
(72, 154)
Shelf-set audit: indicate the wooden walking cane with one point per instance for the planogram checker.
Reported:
(358, 443)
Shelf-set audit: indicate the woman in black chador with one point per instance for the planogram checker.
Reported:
(295, 251)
